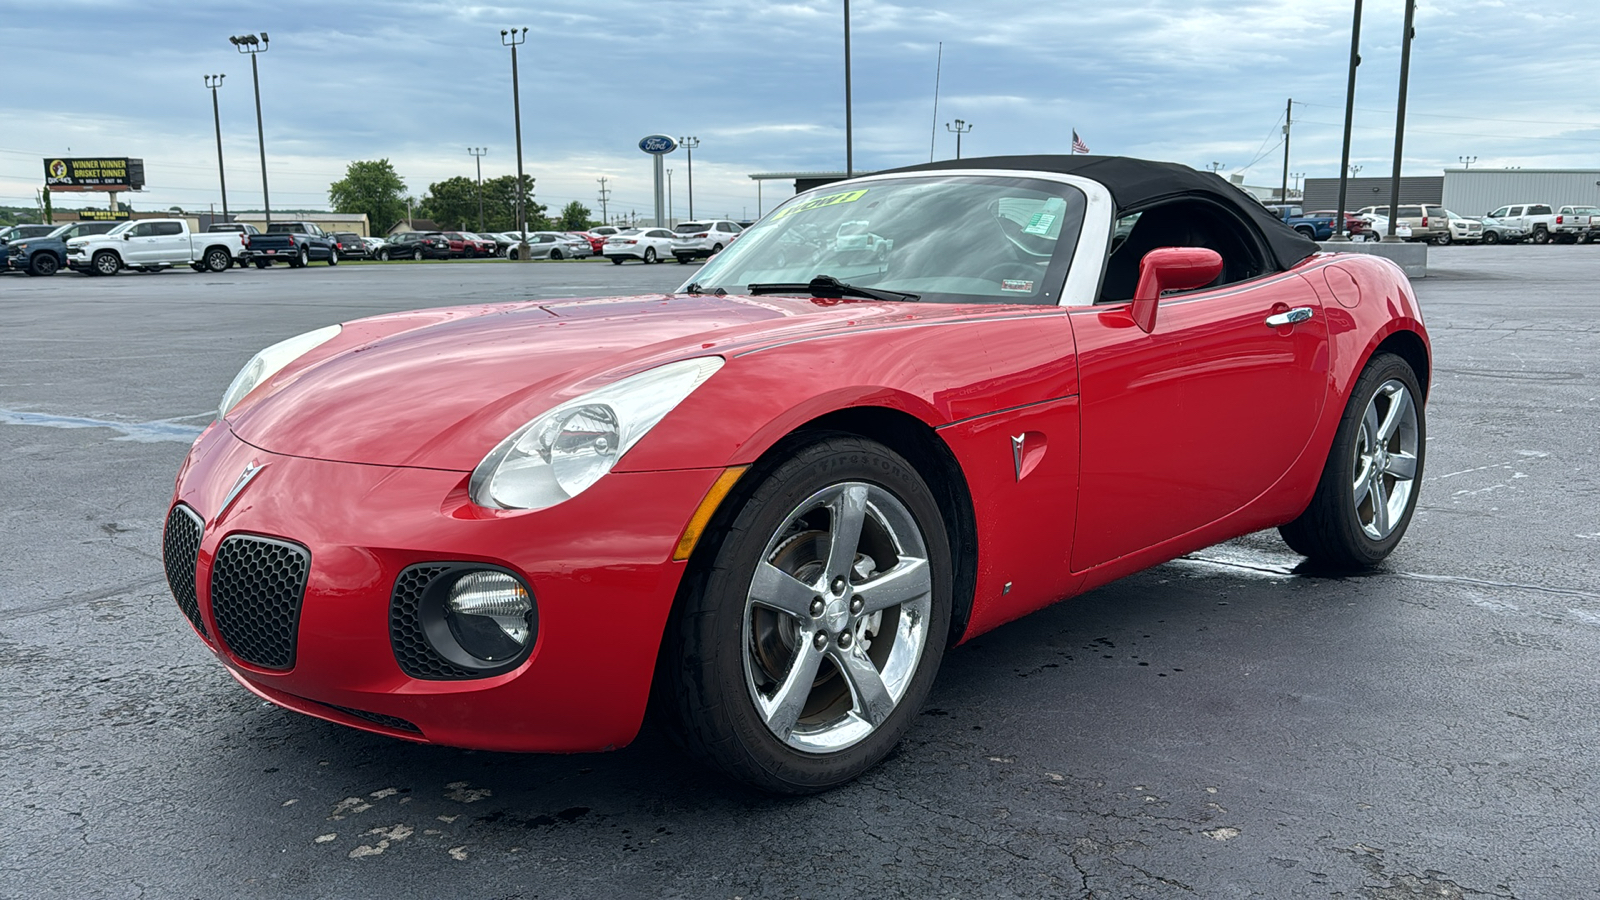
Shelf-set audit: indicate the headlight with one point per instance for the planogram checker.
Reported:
(561, 453)
(19, 246)
(270, 361)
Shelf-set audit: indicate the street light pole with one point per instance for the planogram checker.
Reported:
(513, 38)
(250, 44)
(1400, 116)
(1467, 161)
(477, 155)
(688, 144)
(669, 198)
(213, 82)
(1339, 233)
(961, 127)
(849, 134)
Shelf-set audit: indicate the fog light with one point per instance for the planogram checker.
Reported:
(488, 615)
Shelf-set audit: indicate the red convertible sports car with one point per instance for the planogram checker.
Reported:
(900, 411)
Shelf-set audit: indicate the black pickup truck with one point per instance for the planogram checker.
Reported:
(296, 243)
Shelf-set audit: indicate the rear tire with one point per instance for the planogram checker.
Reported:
(555, 254)
(1443, 240)
(649, 255)
(333, 257)
(1541, 236)
(416, 255)
(683, 260)
(383, 256)
(218, 260)
(791, 693)
(1353, 521)
(617, 260)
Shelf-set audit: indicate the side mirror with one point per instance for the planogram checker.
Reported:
(1171, 269)
(127, 235)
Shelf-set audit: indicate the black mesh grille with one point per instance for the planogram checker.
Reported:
(256, 588)
(180, 550)
(411, 648)
(395, 722)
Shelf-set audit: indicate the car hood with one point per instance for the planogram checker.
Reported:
(440, 388)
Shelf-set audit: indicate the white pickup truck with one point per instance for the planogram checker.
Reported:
(1577, 224)
(151, 245)
(1537, 219)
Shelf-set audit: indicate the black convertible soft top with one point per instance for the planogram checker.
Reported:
(1137, 184)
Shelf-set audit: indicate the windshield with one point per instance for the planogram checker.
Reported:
(948, 238)
(123, 227)
(61, 232)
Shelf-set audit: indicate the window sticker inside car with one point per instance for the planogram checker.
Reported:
(819, 202)
(1013, 284)
(1040, 223)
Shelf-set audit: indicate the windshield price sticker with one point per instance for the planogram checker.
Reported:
(818, 203)
(1016, 286)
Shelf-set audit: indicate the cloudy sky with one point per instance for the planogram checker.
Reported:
(1511, 82)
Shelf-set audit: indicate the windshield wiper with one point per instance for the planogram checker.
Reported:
(695, 287)
(829, 286)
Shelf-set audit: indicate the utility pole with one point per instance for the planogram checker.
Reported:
(513, 38)
(1339, 233)
(959, 128)
(213, 82)
(688, 144)
(849, 135)
(1400, 115)
(669, 198)
(605, 194)
(1288, 120)
(250, 44)
(478, 153)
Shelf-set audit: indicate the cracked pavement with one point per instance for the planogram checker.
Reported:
(1221, 726)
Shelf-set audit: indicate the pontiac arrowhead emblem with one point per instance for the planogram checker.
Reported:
(245, 477)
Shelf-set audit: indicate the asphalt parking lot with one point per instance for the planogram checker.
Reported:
(1222, 726)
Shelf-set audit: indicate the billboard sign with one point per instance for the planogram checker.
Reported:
(76, 174)
(102, 215)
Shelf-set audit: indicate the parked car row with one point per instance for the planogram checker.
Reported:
(686, 242)
(1537, 222)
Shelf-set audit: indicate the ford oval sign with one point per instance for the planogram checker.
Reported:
(657, 144)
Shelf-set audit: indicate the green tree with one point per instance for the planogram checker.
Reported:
(500, 204)
(453, 203)
(574, 217)
(371, 187)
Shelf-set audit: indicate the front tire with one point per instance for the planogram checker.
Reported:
(1373, 475)
(814, 618)
(1491, 237)
(106, 263)
(43, 264)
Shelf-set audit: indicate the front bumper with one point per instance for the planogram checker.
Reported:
(599, 567)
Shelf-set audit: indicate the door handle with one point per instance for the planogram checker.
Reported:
(1292, 317)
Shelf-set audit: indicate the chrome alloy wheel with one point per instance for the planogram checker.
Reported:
(1385, 459)
(836, 617)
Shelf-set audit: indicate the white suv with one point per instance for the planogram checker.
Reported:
(697, 240)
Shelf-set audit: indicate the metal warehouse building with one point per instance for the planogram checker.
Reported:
(1323, 193)
(1473, 192)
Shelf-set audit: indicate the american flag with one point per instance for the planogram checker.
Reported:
(1078, 146)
